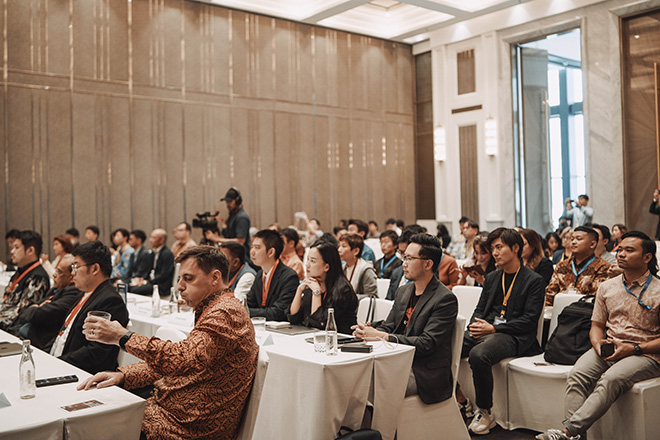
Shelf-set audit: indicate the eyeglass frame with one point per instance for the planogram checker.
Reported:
(408, 258)
(74, 267)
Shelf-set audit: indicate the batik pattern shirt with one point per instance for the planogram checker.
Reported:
(30, 290)
(587, 283)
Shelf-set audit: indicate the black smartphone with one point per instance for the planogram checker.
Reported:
(56, 380)
(357, 348)
(607, 349)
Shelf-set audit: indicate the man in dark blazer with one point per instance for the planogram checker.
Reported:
(161, 265)
(423, 315)
(505, 321)
(275, 284)
(655, 209)
(140, 263)
(91, 269)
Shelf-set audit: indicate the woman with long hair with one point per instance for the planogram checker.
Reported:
(473, 273)
(325, 287)
(533, 256)
(552, 244)
(617, 231)
(564, 253)
(61, 247)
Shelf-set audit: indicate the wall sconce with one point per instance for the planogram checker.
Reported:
(439, 144)
(491, 137)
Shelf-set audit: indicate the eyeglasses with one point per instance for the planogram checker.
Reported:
(408, 258)
(75, 267)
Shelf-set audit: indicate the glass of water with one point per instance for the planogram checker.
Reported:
(319, 342)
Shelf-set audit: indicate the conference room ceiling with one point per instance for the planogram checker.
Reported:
(407, 21)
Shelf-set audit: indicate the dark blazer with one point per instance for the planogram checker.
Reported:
(545, 269)
(46, 321)
(94, 356)
(280, 294)
(655, 209)
(523, 309)
(139, 265)
(430, 331)
(345, 312)
(163, 274)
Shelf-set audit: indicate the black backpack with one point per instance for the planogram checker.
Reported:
(570, 339)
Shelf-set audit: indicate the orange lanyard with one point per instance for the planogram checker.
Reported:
(235, 275)
(265, 287)
(18, 280)
(227, 294)
(508, 293)
(74, 312)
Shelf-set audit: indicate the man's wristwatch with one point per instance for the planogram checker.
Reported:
(638, 350)
(124, 339)
(316, 292)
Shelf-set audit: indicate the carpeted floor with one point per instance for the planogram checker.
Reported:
(498, 433)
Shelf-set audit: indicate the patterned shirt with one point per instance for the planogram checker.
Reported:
(587, 281)
(294, 262)
(625, 319)
(29, 290)
(201, 383)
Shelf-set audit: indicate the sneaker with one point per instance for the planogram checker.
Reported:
(556, 434)
(482, 423)
(466, 409)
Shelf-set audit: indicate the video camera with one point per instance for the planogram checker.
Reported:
(206, 221)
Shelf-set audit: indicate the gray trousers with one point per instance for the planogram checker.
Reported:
(594, 385)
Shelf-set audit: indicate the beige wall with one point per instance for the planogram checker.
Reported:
(139, 114)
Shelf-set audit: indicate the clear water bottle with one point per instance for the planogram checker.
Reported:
(28, 387)
(174, 301)
(331, 334)
(155, 303)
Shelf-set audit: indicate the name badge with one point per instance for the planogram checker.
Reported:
(571, 290)
(499, 320)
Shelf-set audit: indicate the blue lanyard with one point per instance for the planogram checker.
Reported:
(639, 298)
(383, 269)
(576, 273)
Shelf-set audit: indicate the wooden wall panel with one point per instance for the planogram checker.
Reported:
(193, 36)
(144, 40)
(467, 140)
(117, 39)
(171, 174)
(240, 60)
(119, 163)
(21, 186)
(20, 53)
(170, 33)
(143, 139)
(87, 167)
(220, 50)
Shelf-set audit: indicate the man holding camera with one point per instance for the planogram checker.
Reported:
(581, 214)
(238, 222)
(655, 209)
(628, 307)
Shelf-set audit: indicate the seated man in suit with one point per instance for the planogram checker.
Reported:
(505, 321)
(91, 270)
(241, 275)
(275, 284)
(40, 323)
(423, 315)
(397, 280)
(140, 263)
(161, 264)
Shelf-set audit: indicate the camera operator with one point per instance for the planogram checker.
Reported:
(238, 223)
(581, 214)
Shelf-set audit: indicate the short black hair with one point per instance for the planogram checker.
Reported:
(139, 234)
(584, 196)
(122, 231)
(12, 233)
(336, 229)
(236, 249)
(73, 231)
(431, 248)
(603, 230)
(354, 242)
(390, 221)
(208, 258)
(361, 225)
(472, 224)
(272, 240)
(590, 232)
(188, 227)
(509, 236)
(463, 219)
(95, 252)
(31, 238)
(328, 238)
(95, 229)
(373, 222)
(291, 235)
(648, 247)
(391, 235)
(399, 223)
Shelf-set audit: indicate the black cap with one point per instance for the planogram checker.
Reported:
(232, 194)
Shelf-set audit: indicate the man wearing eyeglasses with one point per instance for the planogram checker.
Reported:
(627, 306)
(91, 269)
(423, 315)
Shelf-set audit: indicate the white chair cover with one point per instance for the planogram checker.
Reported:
(170, 334)
(383, 285)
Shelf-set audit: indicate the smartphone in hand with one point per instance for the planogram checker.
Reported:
(607, 349)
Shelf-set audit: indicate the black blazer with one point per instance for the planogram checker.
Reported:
(523, 309)
(545, 269)
(430, 331)
(140, 265)
(46, 321)
(655, 209)
(280, 294)
(94, 356)
(163, 274)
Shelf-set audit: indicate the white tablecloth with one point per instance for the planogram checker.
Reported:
(42, 416)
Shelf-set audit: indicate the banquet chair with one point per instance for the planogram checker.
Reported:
(468, 298)
(366, 309)
(381, 309)
(246, 427)
(418, 420)
(383, 285)
(170, 334)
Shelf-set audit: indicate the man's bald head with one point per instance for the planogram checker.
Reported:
(158, 237)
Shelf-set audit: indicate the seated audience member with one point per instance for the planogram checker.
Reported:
(139, 265)
(91, 270)
(552, 244)
(373, 229)
(358, 227)
(398, 279)
(73, 235)
(183, 241)
(627, 307)
(583, 272)
(241, 275)
(603, 240)
(505, 321)
(40, 323)
(29, 283)
(582, 214)
(289, 256)
(423, 315)
(275, 283)
(92, 233)
(122, 254)
(201, 383)
(617, 231)
(391, 225)
(10, 236)
(161, 267)
(448, 272)
(312, 229)
(474, 271)
(655, 209)
(360, 273)
(533, 256)
(457, 245)
(388, 244)
(61, 247)
(443, 235)
(339, 231)
(325, 287)
(564, 252)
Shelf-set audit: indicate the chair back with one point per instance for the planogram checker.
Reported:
(560, 302)
(170, 334)
(383, 286)
(468, 298)
(366, 309)
(374, 244)
(456, 347)
(382, 309)
(175, 277)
